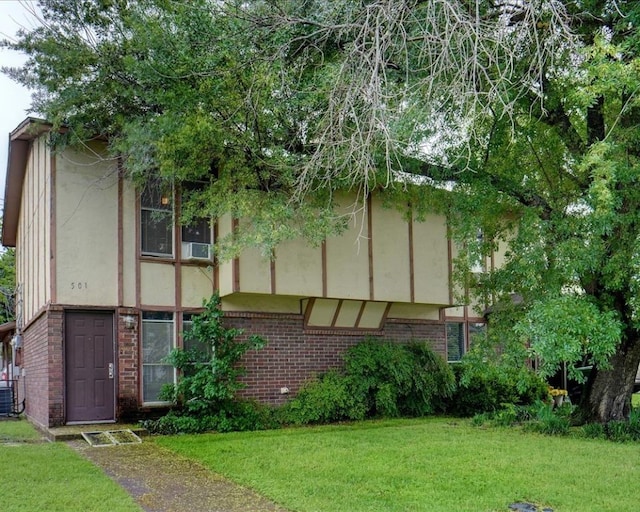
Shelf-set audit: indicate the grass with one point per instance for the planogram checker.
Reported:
(421, 465)
(12, 430)
(52, 477)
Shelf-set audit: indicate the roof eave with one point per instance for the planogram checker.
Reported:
(19, 142)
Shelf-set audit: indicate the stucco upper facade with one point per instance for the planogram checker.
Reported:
(77, 223)
(77, 235)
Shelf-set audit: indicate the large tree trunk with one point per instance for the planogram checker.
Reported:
(607, 395)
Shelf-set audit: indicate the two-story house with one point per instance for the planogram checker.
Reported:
(107, 280)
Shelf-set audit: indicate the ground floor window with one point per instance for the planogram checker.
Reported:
(455, 341)
(158, 339)
(199, 351)
(460, 336)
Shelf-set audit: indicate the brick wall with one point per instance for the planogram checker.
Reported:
(34, 364)
(43, 367)
(293, 354)
(56, 365)
(291, 357)
(127, 350)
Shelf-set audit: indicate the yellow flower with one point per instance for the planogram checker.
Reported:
(557, 392)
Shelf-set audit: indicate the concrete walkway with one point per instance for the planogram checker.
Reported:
(161, 481)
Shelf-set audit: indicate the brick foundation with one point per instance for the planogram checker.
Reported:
(127, 349)
(43, 368)
(292, 356)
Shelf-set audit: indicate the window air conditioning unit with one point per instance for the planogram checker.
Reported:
(198, 251)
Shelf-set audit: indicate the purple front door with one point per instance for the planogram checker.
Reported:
(90, 370)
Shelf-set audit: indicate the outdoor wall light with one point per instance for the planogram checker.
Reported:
(129, 321)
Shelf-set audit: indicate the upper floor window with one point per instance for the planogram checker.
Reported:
(156, 221)
(196, 240)
(196, 236)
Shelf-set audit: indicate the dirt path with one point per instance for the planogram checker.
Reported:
(161, 481)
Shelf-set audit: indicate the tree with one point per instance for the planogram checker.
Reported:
(527, 116)
(518, 118)
(180, 92)
(7, 285)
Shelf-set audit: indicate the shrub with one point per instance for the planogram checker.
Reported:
(488, 388)
(634, 424)
(323, 400)
(398, 379)
(481, 419)
(551, 421)
(380, 378)
(241, 416)
(210, 371)
(173, 423)
(618, 431)
(594, 431)
(379, 373)
(507, 416)
(433, 382)
(623, 431)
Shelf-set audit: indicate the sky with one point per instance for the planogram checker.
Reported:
(14, 99)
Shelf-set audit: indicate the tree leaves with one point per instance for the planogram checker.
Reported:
(571, 329)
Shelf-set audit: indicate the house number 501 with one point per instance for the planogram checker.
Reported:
(79, 286)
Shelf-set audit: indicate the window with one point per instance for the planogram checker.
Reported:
(156, 219)
(196, 237)
(455, 341)
(201, 351)
(457, 336)
(157, 342)
(196, 240)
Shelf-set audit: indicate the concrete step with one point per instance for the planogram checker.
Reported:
(71, 432)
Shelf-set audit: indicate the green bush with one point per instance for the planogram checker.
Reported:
(204, 396)
(479, 420)
(398, 379)
(241, 416)
(433, 382)
(634, 424)
(378, 373)
(618, 431)
(550, 421)
(323, 400)
(379, 379)
(211, 371)
(594, 431)
(488, 388)
(507, 416)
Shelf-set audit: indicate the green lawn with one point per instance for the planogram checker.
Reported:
(421, 465)
(51, 477)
